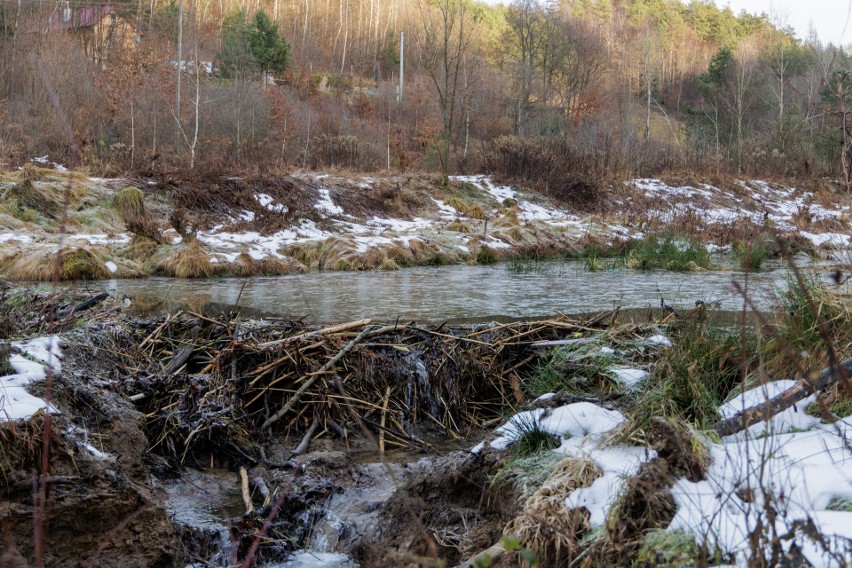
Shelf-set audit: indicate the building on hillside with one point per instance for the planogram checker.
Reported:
(102, 30)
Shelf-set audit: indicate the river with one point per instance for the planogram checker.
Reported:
(455, 293)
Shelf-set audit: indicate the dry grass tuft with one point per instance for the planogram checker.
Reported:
(509, 218)
(187, 261)
(40, 198)
(466, 208)
(246, 265)
(130, 203)
(546, 526)
(460, 226)
(72, 263)
(31, 172)
(142, 248)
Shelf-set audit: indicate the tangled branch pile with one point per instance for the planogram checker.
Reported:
(209, 386)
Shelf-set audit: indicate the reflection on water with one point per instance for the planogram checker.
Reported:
(450, 292)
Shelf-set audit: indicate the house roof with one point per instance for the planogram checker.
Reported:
(65, 18)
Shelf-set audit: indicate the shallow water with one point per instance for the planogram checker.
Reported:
(453, 293)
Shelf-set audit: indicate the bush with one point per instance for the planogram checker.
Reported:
(551, 165)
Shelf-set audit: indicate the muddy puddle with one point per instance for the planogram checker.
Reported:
(454, 293)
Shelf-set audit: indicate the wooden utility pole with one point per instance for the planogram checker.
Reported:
(179, 72)
(401, 64)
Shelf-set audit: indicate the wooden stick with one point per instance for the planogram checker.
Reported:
(486, 558)
(90, 303)
(325, 331)
(382, 420)
(307, 384)
(766, 410)
(159, 329)
(244, 481)
(306, 439)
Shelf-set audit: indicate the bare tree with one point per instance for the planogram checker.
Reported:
(444, 40)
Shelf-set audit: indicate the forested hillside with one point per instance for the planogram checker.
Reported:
(534, 89)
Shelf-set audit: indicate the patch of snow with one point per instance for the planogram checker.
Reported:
(836, 240)
(659, 339)
(111, 266)
(447, 211)
(714, 248)
(101, 238)
(15, 402)
(616, 463)
(579, 419)
(45, 161)
(326, 204)
(629, 377)
(799, 473)
(267, 200)
(6, 237)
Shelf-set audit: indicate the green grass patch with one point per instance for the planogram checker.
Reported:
(578, 370)
(694, 376)
(529, 263)
(532, 439)
(525, 474)
(676, 549)
(751, 256)
(486, 256)
(669, 252)
(839, 503)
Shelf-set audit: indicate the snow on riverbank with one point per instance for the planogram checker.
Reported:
(30, 365)
(792, 464)
(500, 217)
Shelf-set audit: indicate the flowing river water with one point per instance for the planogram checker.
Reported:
(455, 293)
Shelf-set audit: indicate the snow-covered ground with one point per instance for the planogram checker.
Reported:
(793, 464)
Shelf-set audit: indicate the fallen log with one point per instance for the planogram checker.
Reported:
(82, 306)
(766, 410)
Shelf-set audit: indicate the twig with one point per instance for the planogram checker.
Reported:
(382, 420)
(325, 331)
(306, 439)
(307, 384)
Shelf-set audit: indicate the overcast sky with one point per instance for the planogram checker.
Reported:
(829, 17)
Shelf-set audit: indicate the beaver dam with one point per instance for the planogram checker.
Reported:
(194, 439)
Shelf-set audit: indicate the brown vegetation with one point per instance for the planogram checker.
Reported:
(187, 261)
(46, 263)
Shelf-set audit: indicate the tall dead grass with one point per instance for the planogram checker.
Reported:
(187, 261)
(70, 263)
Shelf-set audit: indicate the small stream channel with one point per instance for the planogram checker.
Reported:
(455, 293)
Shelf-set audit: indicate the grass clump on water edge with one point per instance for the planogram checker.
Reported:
(528, 263)
(669, 252)
(694, 376)
(70, 263)
(751, 255)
